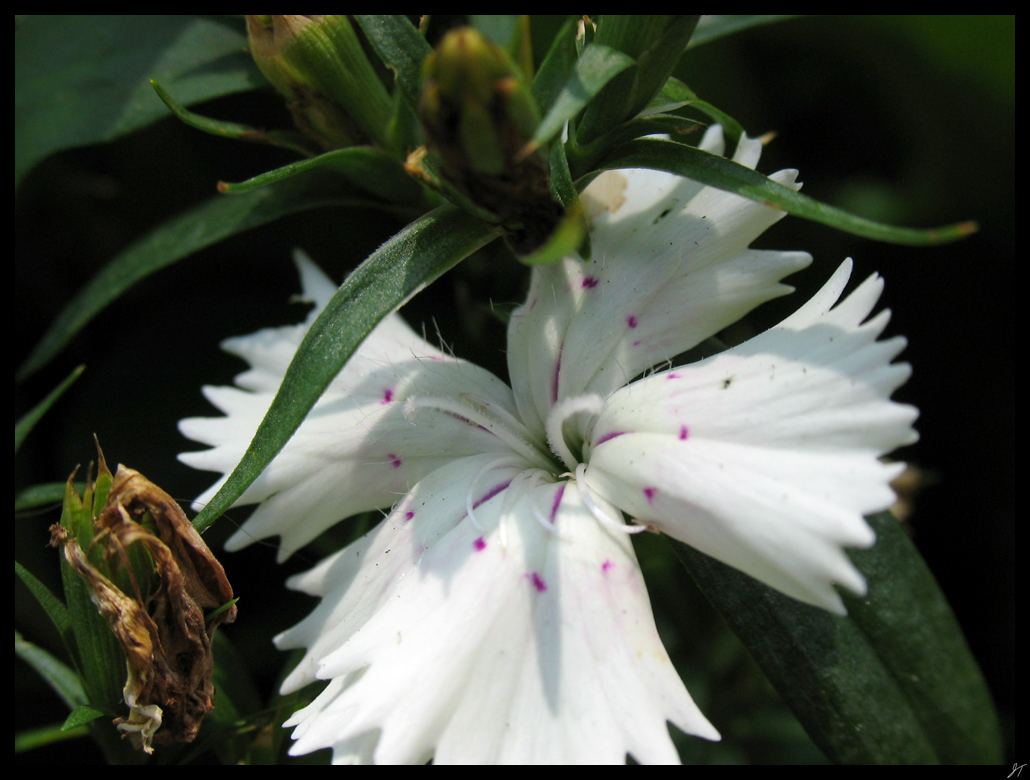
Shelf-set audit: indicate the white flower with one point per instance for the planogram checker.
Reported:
(498, 613)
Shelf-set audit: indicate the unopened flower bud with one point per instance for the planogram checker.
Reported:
(478, 117)
(317, 63)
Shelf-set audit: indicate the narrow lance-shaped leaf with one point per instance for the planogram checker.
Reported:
(207, 224)
(400, 46)
(42, 494)
(81, 80)
(892, 682)
(727, 175)
(29, 420)
(597, 66)
(711, 28)
(58, 675)
(55, 609)
(390, 276)
(80, 716)
(655, 43)
(370, 169)
(295, 142)
(553, 73)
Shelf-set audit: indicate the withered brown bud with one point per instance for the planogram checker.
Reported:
(157, 584)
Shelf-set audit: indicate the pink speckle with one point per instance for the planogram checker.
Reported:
(683, 433)
(672, 375)
(650, 493)
(636, 343)
(606, 565)
(532, 305)
(394, 460)
(557, 371)
(607, 437)
(387, 396)
(479, 544)
(491, 493)
(408, 516)
(557, 501)
(538, 581)
(631, 321)
(589, 283)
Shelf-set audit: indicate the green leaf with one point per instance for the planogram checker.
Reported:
(500, 29)
(402, 48)
(32, 739)
(564, 240)
(655, 43)
(55, 609)
(676, 94)
(893, 682)
(597, 66)
(41, 495)
(295, 142)
(716, 171)
(584, 159)
(80, 716)
(711, 28)
(101, 659)
(370, 169)
(556, 68)
(82, 80)
(181, 236)
(29, 420)
(58, 675)
(405, 264)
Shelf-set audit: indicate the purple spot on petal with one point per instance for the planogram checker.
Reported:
(493, 492)
(650, 493)
(479, 544)
(394, 460)
(532, 304)
(631, 321)
(607, 437)
(672, 376)
(606, 565)
(557, 501)
(636, 343)
(683, 433)
(538, 581)
(589, 283)
(408, 516)
(554, 381)
(387, 396)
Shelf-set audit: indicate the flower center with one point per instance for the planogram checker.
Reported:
(560, 413)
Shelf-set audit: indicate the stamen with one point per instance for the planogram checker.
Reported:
(596, 511)
(560, 412)
(490, 418)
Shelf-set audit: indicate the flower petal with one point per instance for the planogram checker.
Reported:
(670, 266)
(359, 448)
(766, 456)
(506, 643)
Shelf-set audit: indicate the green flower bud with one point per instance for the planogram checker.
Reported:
(478, 117)
(317, 63)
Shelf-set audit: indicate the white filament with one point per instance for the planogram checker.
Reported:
(596, 511)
